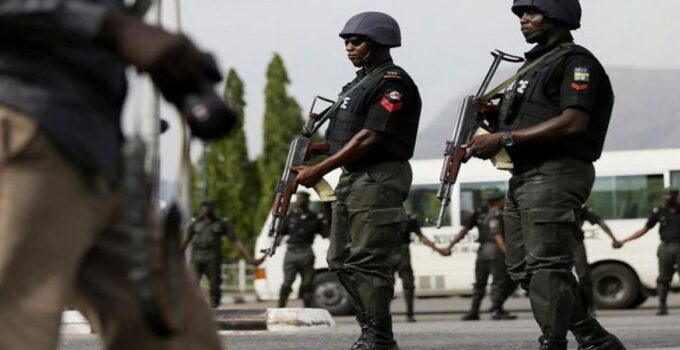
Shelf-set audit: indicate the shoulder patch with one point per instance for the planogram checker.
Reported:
(392, 101)
(655, 210)
(392, 74)
(582, 74)
(581, 78)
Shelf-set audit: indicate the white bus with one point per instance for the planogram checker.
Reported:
(627, 187)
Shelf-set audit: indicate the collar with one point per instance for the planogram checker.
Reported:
(363, 71)
(538, 50)
(675, 207)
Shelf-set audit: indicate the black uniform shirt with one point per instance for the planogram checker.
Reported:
(570, 78)
(669, 223)
(573, 82)
(52, 70)
(494, 223)
(302, 227)
(476, 219)
(389, 104)
(589, 215)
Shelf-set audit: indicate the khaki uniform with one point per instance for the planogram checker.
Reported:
(206, 252)
(58, 244)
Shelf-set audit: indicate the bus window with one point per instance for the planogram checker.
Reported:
(422, 201)
(626, 197)
(471, 196)
(675, 178)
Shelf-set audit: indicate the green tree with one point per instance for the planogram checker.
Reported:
(231, 177)
(282, 122)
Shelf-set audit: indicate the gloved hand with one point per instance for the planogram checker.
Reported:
(184, 74)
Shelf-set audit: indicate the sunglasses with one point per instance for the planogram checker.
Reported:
(355, 41)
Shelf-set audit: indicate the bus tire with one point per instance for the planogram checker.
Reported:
(615, 286)
(329, 294)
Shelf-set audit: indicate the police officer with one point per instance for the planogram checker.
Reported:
(668, 253)
(490, 259)
(205, 235)
(401, 260)
(553, 124)
(301, 225)
(62, 69)
(580, 256)
(371, 136)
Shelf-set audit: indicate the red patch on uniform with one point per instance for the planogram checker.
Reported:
(579, 87)
(391, 106)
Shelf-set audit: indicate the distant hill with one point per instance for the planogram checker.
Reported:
(646, 114)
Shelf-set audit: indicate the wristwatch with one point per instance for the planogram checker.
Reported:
(506, 139)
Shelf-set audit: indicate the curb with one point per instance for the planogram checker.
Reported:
(272, 319)
(275, 320)
(73, 322)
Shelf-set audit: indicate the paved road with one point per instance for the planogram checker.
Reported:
(439, 328)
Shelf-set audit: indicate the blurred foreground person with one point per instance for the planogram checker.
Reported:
(62, 86)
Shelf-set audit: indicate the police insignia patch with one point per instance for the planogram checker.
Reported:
(581, 74)
(392, 75)
(392, 101)
(579, 87)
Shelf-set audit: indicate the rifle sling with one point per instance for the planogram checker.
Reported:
(490, 95)
(369, 77)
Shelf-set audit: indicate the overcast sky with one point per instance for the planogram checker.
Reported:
(446, 43)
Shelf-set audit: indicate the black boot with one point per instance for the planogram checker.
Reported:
(662, 290)
(473, 314)
(552, 344)
(408, 296)
(379, 333)
(590, 335)
(283, 299)
(306, 299)
(498, 313)
(360, 342)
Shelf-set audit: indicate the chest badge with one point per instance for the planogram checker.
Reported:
(522, 86)
(345, 102)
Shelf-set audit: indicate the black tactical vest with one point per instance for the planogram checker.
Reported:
(350, 118)
(669, 225)
(528, 106)
(302, 228)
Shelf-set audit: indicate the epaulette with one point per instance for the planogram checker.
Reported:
(655, 210)
(392, 74)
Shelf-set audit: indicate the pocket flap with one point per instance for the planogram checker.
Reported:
(387, 216)
(547, 215)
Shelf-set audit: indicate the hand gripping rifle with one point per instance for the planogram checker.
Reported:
(287, 186)
(470, 123)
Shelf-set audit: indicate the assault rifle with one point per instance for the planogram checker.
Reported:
(287, 186)
(470, 123)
